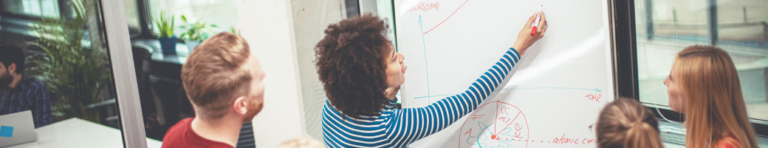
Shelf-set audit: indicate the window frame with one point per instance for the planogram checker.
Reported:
(62, 12)
(142, 9)
(118, 42)
(145, 21)
(625, 63)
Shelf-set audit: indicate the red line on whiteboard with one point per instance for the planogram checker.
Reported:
(454, 12)
(495, 118)
(510, 123)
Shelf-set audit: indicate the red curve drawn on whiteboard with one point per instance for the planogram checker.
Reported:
(454, 12)
(497, 103)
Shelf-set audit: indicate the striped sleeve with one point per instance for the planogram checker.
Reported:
(409, 125)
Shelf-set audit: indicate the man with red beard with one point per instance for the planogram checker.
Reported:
(224, 83)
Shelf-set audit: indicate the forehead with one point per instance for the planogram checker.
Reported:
(389, 48)
(254, 65)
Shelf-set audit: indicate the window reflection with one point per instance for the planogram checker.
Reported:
(132, 16)
(665, 27)
(63, 76)
(36, 8)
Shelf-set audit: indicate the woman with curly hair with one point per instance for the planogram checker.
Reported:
(361, 74)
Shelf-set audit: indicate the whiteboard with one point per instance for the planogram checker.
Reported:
(549, 99)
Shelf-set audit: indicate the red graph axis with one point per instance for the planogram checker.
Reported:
(454, 12)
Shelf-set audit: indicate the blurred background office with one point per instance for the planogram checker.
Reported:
(665, 27)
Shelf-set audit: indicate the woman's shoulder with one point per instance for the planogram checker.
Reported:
(728, 142)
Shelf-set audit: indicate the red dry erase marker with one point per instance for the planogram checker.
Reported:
(536, 22)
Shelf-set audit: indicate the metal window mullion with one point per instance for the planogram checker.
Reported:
(123, 73)
(712, 21)
(63, 8)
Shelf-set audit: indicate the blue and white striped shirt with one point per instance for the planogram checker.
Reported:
(401, 127)
(29, 94)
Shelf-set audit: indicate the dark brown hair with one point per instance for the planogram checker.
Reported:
(350, 62)
(625, 123)
(214, 75)
(10, 54)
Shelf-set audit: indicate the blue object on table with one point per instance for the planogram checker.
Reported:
(6, 131)
(168, 44)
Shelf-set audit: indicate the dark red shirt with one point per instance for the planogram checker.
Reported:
(182, 135)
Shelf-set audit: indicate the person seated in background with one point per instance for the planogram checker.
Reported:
(704, 85)
(223, 81)
(20, 92)
(361, 74)
(625, 123)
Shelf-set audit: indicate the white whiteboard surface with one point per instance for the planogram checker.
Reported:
(549, 98)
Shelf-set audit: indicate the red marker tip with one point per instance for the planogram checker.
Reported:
(533, 30)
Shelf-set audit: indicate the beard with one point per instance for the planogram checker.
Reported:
(5, 79)
(253, 108)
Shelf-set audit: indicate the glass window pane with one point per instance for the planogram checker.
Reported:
(66, 83)
(741, 30)
(221, 13)
(36, 8)
(132, 15)
(665, 27)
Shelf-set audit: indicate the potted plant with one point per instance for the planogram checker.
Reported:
(74, 70)
(234, 30)
(167, 39)
(196, 32)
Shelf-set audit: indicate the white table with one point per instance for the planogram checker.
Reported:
(79, 133)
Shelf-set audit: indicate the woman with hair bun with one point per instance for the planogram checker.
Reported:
(625, 123)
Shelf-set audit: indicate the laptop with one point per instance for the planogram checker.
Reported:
(17, 128)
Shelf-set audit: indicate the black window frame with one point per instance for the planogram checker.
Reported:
(145, 20)
(62, 12)
(625, 62)
(141, 7)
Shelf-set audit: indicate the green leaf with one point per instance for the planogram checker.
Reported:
(184, 18)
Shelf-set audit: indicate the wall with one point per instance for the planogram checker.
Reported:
(267, 25)
(311, 18)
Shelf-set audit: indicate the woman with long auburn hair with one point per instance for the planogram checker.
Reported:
(704, 85)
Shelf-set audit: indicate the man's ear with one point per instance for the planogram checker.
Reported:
(240, 105)
(12, 68)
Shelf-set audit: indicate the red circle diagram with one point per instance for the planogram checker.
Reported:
(495, 125)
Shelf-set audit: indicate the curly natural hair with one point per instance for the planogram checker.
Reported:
(351, 65)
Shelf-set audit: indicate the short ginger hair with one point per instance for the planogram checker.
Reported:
(350, 63)
(214, 75)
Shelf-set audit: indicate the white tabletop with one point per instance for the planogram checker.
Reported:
(79, 133)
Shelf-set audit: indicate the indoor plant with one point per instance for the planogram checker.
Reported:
(165, 26)
(73, 66)
(196, 32)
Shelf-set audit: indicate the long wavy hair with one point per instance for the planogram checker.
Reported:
(350, 63)
(715, 106)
